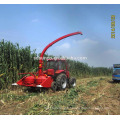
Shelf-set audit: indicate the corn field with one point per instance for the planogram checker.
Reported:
(79, 69)
(15, 59)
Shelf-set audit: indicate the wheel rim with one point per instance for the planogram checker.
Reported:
(73, 83)
(64, 83)
(54, 86)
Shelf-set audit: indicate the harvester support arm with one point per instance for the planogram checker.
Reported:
(49, 45)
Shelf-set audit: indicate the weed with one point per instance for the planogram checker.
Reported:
(14, 97)
(92, 83)
(102, 78)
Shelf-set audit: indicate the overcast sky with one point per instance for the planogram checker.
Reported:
(38, 25)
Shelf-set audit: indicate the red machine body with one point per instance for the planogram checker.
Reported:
(46, 78)
(31, 81)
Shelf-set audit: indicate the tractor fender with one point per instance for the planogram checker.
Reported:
(62, 71)
(59, 71)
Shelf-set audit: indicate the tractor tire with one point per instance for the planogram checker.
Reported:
(61, 81)
(54, 86)
(72, 82)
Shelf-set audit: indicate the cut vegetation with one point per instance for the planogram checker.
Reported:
(101, 97)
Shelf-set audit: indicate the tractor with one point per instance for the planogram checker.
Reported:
(55, 74)
(58, 70)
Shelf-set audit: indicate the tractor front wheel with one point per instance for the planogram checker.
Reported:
(61, 81)
(54, 86)
(72, 82)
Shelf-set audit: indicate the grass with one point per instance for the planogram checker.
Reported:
(93, 83)
(61, 104)
(15, 97)
(89, 93)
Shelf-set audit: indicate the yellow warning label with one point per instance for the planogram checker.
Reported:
(36, 77)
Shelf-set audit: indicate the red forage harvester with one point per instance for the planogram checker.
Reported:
(56, 75)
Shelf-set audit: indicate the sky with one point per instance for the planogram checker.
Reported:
(39, 24)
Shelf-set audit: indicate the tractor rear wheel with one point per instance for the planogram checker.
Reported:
(54, 86)
(72, 82)
(61, 81)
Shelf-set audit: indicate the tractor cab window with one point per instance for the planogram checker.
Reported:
(52, 65)
(56, 65)
(61, 65)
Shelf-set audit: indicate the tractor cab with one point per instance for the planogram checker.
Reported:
(54, 67)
